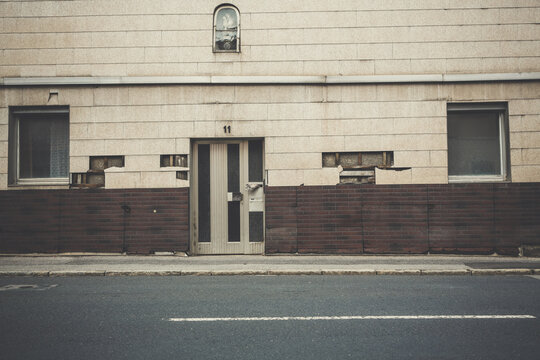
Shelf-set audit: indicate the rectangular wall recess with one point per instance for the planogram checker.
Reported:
(174, 160)
(95, 176)
(358, 167)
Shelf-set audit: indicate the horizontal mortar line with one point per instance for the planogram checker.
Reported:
(366, 317)
(267, 136)
(125, 31)
(271, 29)
(153, 46)
(270, 104)
(256, 120)
(278, 61)
(347, 11)
(261, 120)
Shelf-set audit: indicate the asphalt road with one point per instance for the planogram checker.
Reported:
(129, 317)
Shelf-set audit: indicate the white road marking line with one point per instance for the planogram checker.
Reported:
(366, 317)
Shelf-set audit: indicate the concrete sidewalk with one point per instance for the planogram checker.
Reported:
(102, 265)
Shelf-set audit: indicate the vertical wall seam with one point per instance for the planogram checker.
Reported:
(427, 218)
(362, 221)
(124, 215)
(493, 220)
(296, 211)
(59, 236)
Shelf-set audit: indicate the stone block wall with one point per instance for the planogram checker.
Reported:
(174, 37)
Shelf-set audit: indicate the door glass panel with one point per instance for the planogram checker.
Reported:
(255, 161)
(233, 168)
(204, 192)
(233, 186)
(234, 221)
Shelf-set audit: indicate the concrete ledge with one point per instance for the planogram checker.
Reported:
(266, 80)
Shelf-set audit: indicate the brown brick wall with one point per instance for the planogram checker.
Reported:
(51, 221)
(457, 218)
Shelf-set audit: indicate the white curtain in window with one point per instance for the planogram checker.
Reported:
(59, 148)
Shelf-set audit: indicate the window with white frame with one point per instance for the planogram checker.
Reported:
(39, 145)
(226, 29)
(477, 142)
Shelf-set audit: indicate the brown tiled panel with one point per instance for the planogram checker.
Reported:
(458, 218)
(461, 218)
(517, 216)
(328, 220)
(455, 218)
(29, 221)
(281, 219)
(395, 219)
(94, 220)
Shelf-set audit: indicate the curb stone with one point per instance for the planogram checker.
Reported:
(237, 272)
(143, 273)
(399, 272)
(271, 272)
(78, 273)
(349, 272)
(294, 272)
(446, 272)
(502, 272)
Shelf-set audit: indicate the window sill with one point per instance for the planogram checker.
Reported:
(48, 183)
(476, 179)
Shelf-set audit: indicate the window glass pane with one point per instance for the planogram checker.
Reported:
(255, 161)
(226, 30)
(233, 168)
(474, 143)
(234, 221)
(43, 146)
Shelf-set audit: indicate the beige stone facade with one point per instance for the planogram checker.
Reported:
(346, 37)
(112, 41)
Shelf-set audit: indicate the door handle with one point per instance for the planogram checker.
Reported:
(252, 187)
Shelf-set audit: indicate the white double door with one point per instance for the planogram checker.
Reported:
(227, 193)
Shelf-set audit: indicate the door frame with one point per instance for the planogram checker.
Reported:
(244, 246)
